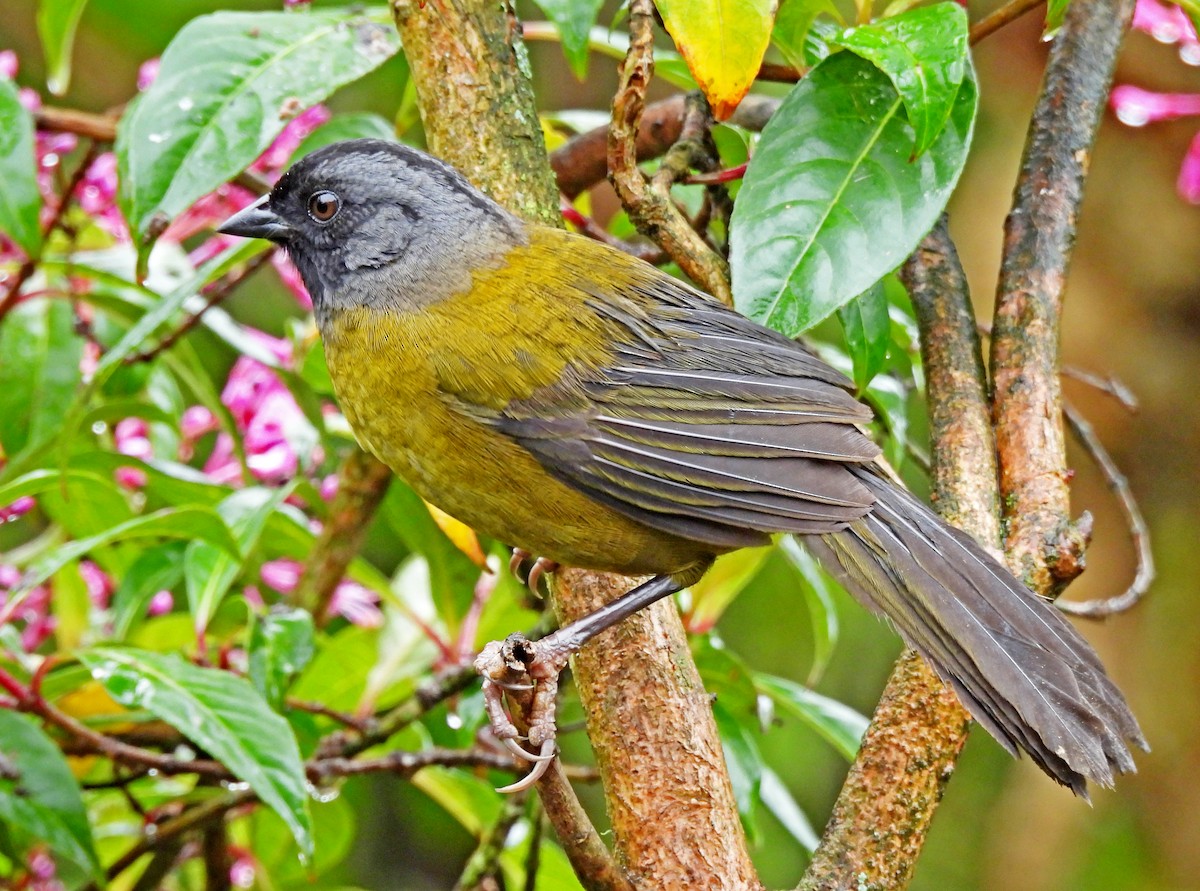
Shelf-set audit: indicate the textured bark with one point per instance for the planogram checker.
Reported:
(673, 814)
(883, 813)
(675, 823)
(1044, 548)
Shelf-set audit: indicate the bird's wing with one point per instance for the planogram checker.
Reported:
(701, 423)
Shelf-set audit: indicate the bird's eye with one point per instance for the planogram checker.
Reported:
(323, 206)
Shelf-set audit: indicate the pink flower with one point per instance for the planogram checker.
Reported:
(282, 575)
(1137, 107)
(9, 65)
(290, 276)
(1168, 23)
(350, 600)
(161, 603)
(131, 438)
(1188, 184)
(17, 509)
(279, 152)
(99, 586)
(33, 610)
(147, 73)
(356, 604)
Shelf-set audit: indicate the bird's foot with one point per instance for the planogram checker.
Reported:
(510, 665)
(541, 566)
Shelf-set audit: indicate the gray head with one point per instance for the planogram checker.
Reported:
(376, 223)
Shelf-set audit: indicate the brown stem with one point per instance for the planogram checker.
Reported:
(1044, 548)
(583, 846)
(362, 483)
(882, 816)
(215, 294)
(650, 206)
(651, 726)
(997, 19)
(582, 162)
(482, 869)
(217, 862)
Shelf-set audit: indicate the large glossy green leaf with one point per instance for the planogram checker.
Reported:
(220, 712)
(20, 200)
(56, 24)
(744, 762)
(839, 724)
(209, 569)
(227, 85)
(831, 201)
(924, 52)
(574, 19)
(40, 801)
(39, 371)
(793, 24)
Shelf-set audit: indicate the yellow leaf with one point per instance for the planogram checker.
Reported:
(462, 535)
(723, 42)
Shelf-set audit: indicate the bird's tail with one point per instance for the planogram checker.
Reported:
(1017, 665)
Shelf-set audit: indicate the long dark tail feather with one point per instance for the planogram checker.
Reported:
(1017, 665)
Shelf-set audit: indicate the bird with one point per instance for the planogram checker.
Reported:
(562, 396)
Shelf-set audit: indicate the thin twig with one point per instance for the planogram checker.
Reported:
(12, 296)
(193, 818)
(215, 294)
(1106, 384)
(994, 21)
(644, 251)
(650, 207)
(483, 866)
(1139, 533)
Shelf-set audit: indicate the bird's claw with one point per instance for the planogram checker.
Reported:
(541, 764)
(541, 566)
(507, 665)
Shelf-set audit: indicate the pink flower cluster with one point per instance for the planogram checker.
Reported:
(1166, 23)
(350, 600)
(96, 192)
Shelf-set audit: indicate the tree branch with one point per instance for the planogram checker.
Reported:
(882, 816)
(1044, 548)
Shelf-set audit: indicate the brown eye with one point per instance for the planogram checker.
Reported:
(323, 206)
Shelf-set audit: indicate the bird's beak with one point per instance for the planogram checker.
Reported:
(257, 221)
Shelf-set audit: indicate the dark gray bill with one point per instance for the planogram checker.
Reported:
(257, 221)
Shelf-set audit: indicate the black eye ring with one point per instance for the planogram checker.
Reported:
(323, 206)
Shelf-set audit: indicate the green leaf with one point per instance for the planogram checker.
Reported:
(56, 24)
(40, 801)
(818, 597)
(281, 645)
(868, 332)
(1055, 10)
(39, 373)
(337, 676)
(20, 200)
(363, 125)
(831, 201)
(222, 714)
(171, 522)
(721, 585)
(723, 42)
(924, 52)
(227, 85)
(209, 569)
(779, 801)
(793, 24)
(744, 762)
(156, 569)
(574, 19)
(839, 724)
